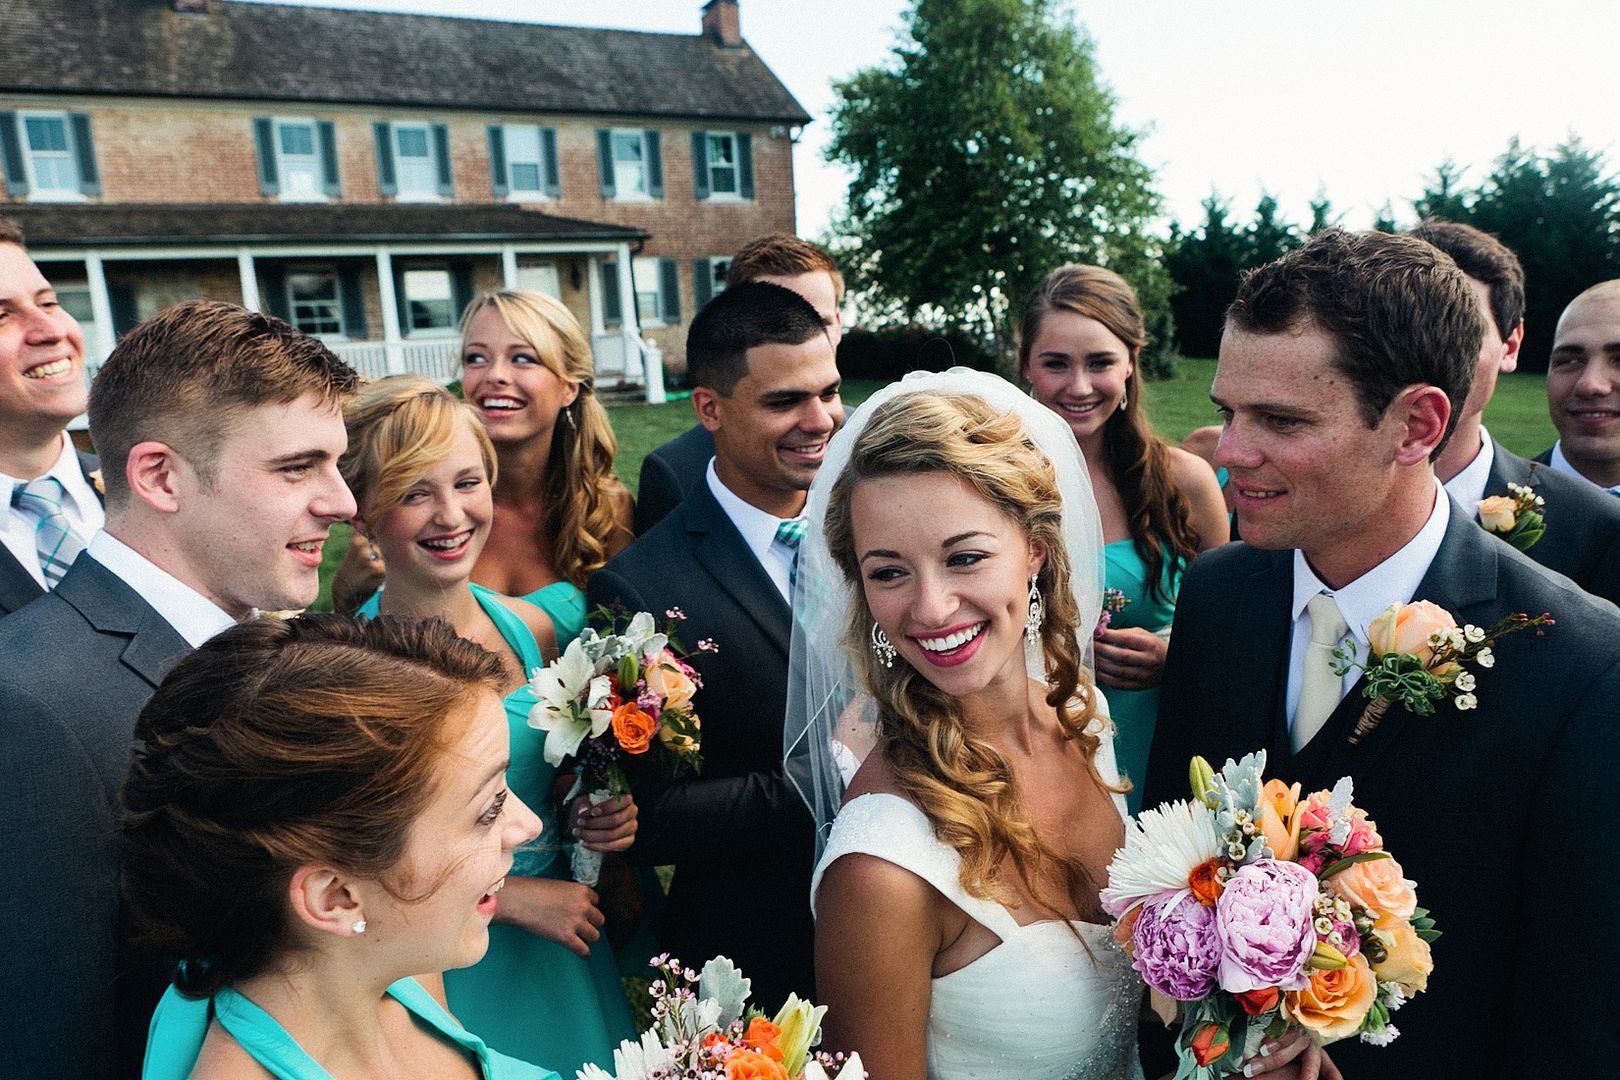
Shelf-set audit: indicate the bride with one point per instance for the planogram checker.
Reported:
(954, 549)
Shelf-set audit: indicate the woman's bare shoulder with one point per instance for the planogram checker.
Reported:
(222, 1058)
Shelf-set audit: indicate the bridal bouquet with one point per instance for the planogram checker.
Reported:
(709, 1034)
(615, 695)
(1261, 912)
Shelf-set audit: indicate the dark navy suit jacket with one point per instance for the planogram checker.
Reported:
(670, 473)
(1582, 540)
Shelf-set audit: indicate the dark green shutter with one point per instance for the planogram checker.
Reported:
(11, 159)
(461, 287)
(351, 291)
(383, 136)
(604, 162)
(669, 291)
(441, 151)
(745, 164)
(655, 164)
(264, 139)
(273, 282)
(497, 161)
(126, 314)
(553, 173)
(702, 283)
(331, 178)
(700, 164)
(612, 314)
(85, 151)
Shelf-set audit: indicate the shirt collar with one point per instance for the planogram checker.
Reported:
(1393, 581)
(1468, 486)
(193, 616)
(758, 528)
(65, 469)
(1561, 463)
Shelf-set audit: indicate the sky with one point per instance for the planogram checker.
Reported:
(1359, 99)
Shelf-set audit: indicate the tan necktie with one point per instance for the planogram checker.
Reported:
(1319, 688)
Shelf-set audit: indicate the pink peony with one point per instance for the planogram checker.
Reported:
(1177, 949)
(1264, 918)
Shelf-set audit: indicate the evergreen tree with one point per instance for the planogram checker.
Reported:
(1205, 265)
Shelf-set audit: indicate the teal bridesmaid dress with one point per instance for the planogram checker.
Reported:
(1136, 711)
(180, 1025)
(530, 997)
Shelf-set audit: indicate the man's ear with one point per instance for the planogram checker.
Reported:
(1424, 412)
(157, 475)
(706, 403)
(1511, 347)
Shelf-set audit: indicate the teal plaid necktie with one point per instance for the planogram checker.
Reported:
(55, 542)
(791, 533)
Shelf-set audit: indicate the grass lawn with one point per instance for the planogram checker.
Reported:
(1517, 417)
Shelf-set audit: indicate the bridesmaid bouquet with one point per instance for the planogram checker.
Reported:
(615, 695)
(1263, 912)
(709, 1034)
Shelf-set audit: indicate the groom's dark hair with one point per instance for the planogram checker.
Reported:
(1399, 311)
(741, 318)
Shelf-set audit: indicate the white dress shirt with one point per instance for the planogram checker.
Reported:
(759, 532)
(1561, 463)
(1392, 581)
(79, 505)
(193, 616)
(1468, 486)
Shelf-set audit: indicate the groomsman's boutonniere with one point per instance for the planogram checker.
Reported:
(97, 482)
(1516, 517)
(1418, 655)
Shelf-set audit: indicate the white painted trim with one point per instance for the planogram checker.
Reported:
(509, 267)
(593, 294)
(53, 195)
(268, 249)
(629, 325)
(100, 307)
(250, 279)
(393, 346)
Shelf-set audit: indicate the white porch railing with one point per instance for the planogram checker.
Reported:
(438, 359)
(644, 367)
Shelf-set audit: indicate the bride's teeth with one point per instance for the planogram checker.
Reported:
(951, 641)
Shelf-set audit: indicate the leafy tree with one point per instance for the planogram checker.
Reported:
(983, 155)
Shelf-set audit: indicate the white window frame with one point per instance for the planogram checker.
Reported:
(37, 192)
(525, 132)
(342, 333)
(649, 281)
(719, 267)
(421, 333)
(318, 194)
(735, 194)
(620, 191)
(431, 193)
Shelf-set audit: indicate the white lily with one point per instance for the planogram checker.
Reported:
(572, 703)
(640, 637)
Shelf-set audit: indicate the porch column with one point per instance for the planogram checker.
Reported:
(250, 280)
(100, 308)
(509, 267)
(629, 326)
(393, 344)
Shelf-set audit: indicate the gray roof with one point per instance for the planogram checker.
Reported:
(275, 52)
(88, 225)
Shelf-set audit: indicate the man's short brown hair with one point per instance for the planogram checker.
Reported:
(11, 232)
(183, 376)
(1485, 259)
(1399, 311)
(782, 255)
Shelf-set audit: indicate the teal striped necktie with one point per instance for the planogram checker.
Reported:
(55, 542)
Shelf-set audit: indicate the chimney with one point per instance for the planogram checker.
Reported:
(721, 24)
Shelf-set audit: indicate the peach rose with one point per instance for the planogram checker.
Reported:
(1377, 885)
(675, 740)
(1498, 514)
(751, 1065)
(1335, 1003)
(633, 728)
(666, 678)
(1407, 960)
(761, 1038)
(1279, 819)
(1406, 628)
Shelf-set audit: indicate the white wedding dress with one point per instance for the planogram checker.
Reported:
(1039, 1006)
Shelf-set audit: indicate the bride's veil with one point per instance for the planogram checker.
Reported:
(831, 719)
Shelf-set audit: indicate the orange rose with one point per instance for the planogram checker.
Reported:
(1335, 1003)
(666, 679)
(749, 1065)
(633, 728)
(1255, 1002)
(762, 1036)
(1406, 628)
(1407, 960)
(1210, 1043)
(1378, 886)
(1206, 887)
(1279, 819)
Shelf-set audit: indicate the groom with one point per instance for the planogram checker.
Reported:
(1337, 373)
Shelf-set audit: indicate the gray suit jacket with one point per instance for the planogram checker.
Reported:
(17, 585)
(670, 473)
(1582, 540)
(1476, 806)
(79, 663)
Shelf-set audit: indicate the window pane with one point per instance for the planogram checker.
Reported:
(723, 181)
(414, 168)
(626, 147)
(718, 269)
(722, 150)
(298, 140)
(648, 308)
(427, 299)
(314, 295)
(56, 173)
(412, 142)
(525, 176)
(47, 133)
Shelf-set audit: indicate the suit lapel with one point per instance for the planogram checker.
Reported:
(1258, 710)
(1506, 469)
(112, 607)
(17, 585)
(719, 547)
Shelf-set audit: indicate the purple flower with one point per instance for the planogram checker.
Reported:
(1264, 918)
(1177, 948)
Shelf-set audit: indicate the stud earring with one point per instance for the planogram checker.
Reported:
(881, 646)
(358, 927)
(1037, 612)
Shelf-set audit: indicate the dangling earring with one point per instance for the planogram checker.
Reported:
(1037, 612)
(1123, 398)
(569, 416)
(358, 926)
(371, 545)
(881, 646)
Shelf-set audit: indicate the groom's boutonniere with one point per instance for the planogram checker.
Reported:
(97, 482)
(1516, 517)
(1418, 655)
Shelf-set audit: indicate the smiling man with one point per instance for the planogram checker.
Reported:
(50, 509)
(766, 387)
(220, 431)
(1336, 377)
(1583, 388)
